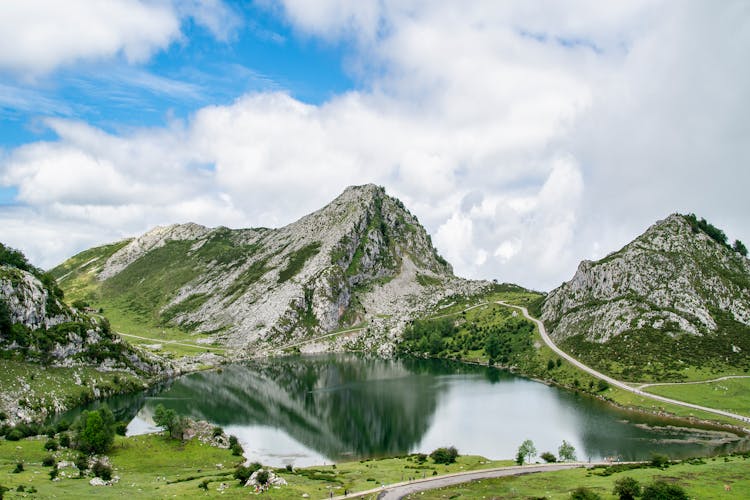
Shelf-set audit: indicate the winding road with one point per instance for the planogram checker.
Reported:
(400, 490)
(617, 383)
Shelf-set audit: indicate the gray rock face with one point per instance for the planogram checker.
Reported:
(29, 301)
(671, 278)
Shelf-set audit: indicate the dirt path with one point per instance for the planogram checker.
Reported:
(173, 342)
(615, 382)
(728, 377)
(400, 490)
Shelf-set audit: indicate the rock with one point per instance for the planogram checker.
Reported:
(97, 481)
(670, 278)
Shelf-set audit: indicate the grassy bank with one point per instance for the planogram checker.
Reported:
(153, 466)
(40, 389)
(700, 479)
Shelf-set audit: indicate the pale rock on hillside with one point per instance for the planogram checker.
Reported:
(673, 278)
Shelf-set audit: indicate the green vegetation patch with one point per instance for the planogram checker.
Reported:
(699, 480)
(297, 261)
(731, 394)
(189, 304)
(648, 354)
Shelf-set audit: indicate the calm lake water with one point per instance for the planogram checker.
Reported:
(322, 409)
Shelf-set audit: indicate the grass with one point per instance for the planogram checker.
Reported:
(702, 480)
(152, 466)
(297, 261)
(731, 394)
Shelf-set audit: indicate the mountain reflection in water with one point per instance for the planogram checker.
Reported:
(308, 409)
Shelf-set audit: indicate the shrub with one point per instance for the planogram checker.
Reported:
(62, 425)
(51, 445)
(232, 440)
(289, 468)
(627, 488)
(548, 457)
(53, 473)
(236, 449)
(19, 468)
(659, 460)
(49, 461)
(82, 463)
(661, 490)
(14, 435)
(65, 441)
(95, 431)
(204, 485)
(218, 431)
(602, 385)
(102, 470)
(121, 428)
(584, 493)
(444, 455)
(262, 477)
(243, 473)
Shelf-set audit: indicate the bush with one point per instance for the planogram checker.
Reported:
(51, 445)
(121, 428)
(602, 385)
(661, 490)
(262, 477)
(232, 440)
(627, 488)
(236, 449)
(444, 455)
(204, 485)
(659, 460)
(218, 431)
(19, 468)
(289, 468)
(62, 425)
(584, 493)
(53, 473)
(82, 463)
(102, 470)
(49, 461)
(548, 457)
(243, 473)
(65, 441)
(14, 435)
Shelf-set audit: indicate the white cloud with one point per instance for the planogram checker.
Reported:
(38, 36)
(525, 136)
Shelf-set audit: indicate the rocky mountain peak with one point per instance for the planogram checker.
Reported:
(363, 258)
(675, 277)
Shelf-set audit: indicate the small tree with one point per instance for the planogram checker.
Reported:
(627, 488)
(95, 431)
(444, 455)
(527, 450)
(548, 457)
(566, 452)
(168, 419)
(519, 457)
(661, 490)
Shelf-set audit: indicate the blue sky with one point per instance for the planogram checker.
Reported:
(262, 53)
(525, 135)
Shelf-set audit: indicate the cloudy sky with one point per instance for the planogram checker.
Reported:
(525, 135)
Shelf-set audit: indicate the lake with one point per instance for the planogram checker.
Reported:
(321, 409)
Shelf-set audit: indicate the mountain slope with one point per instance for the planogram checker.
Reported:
(37, 325)
(362, 259)
(673, 298)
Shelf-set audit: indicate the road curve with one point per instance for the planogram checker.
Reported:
(614, 382)
(400, 490)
